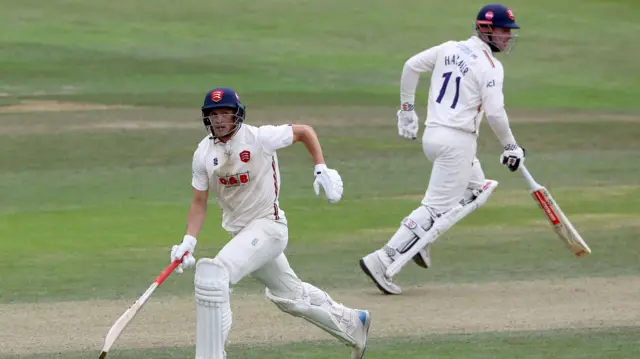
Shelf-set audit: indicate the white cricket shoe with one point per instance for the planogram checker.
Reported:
(373, 266)
(360, 334)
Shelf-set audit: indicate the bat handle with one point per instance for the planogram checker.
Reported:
(529, 178)
(170, 268)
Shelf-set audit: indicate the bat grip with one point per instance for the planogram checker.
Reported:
(528, 177)
(170, 268)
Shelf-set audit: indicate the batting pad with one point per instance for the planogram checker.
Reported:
(440, 226)
(318, 308)
(213, 312)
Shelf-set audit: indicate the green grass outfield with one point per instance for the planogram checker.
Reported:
(100, 117)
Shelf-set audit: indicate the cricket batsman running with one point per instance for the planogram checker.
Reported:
(238, 163)
(466, 83)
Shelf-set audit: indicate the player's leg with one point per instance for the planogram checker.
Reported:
(475, 187)
(300, 299)
(452, 159)
(476, 181)
(473, 198)
(250, 249)
(213, 310)
(452, 162)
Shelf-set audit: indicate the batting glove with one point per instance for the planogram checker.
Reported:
(512, 157)
(177, 252)
(330, 181)
(407, 122)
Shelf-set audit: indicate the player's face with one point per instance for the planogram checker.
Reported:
(223, 120)
(501, 38)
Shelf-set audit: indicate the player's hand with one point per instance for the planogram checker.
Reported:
(177, 251)
(407, 122)
(512, 157)
(330, 181)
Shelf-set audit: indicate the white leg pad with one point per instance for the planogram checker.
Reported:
(213, 312)
(412, 228)
(423, 258)
(317, 307)
(441, 225)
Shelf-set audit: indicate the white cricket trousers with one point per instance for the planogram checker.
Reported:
(455, 166)
(257, 250)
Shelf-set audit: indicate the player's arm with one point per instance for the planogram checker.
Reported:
(200, 184)
(277, 137)
(424, 61)
(493, 104)
(421, 62)
(274, 138)
(307, 135)
(196, 214)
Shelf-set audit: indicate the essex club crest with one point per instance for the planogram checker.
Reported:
(510, 14)
(217, 95)
(245, 156)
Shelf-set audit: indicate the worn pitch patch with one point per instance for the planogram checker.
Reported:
(429, 309)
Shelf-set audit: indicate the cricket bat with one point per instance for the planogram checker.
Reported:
(559, 222)
(118, 327)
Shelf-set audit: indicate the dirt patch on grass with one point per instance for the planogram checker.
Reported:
(115, 126)
(57, 106)
(61, 117)
(432, 309)
(131, 125)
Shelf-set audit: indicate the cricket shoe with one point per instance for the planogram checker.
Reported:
(361, 334)
(373, 266)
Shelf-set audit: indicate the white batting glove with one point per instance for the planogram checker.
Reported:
(177, 252)
(512, 157)
(407, 122)
(330, 181)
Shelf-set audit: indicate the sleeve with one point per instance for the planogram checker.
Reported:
(274, 138)
(424, 61)
(199, 178)
(493, 103)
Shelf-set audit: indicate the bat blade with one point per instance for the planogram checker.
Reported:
(119, 326)
(560, 223)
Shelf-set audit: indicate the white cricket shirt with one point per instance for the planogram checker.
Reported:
(466, 83)
(243, 173)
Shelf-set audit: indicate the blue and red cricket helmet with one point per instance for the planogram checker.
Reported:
(492, 17)
(222, 97)
(497, 15)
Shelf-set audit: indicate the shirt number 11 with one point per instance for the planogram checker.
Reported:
(447, 77)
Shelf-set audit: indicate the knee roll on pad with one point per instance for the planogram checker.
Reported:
(213, 312)
(311, 296)
(211, 282)
(421, 216)
(412, 228)
(290, 306)
(316, 295)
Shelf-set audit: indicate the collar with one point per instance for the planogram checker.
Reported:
(218, 142)
(476, 42)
